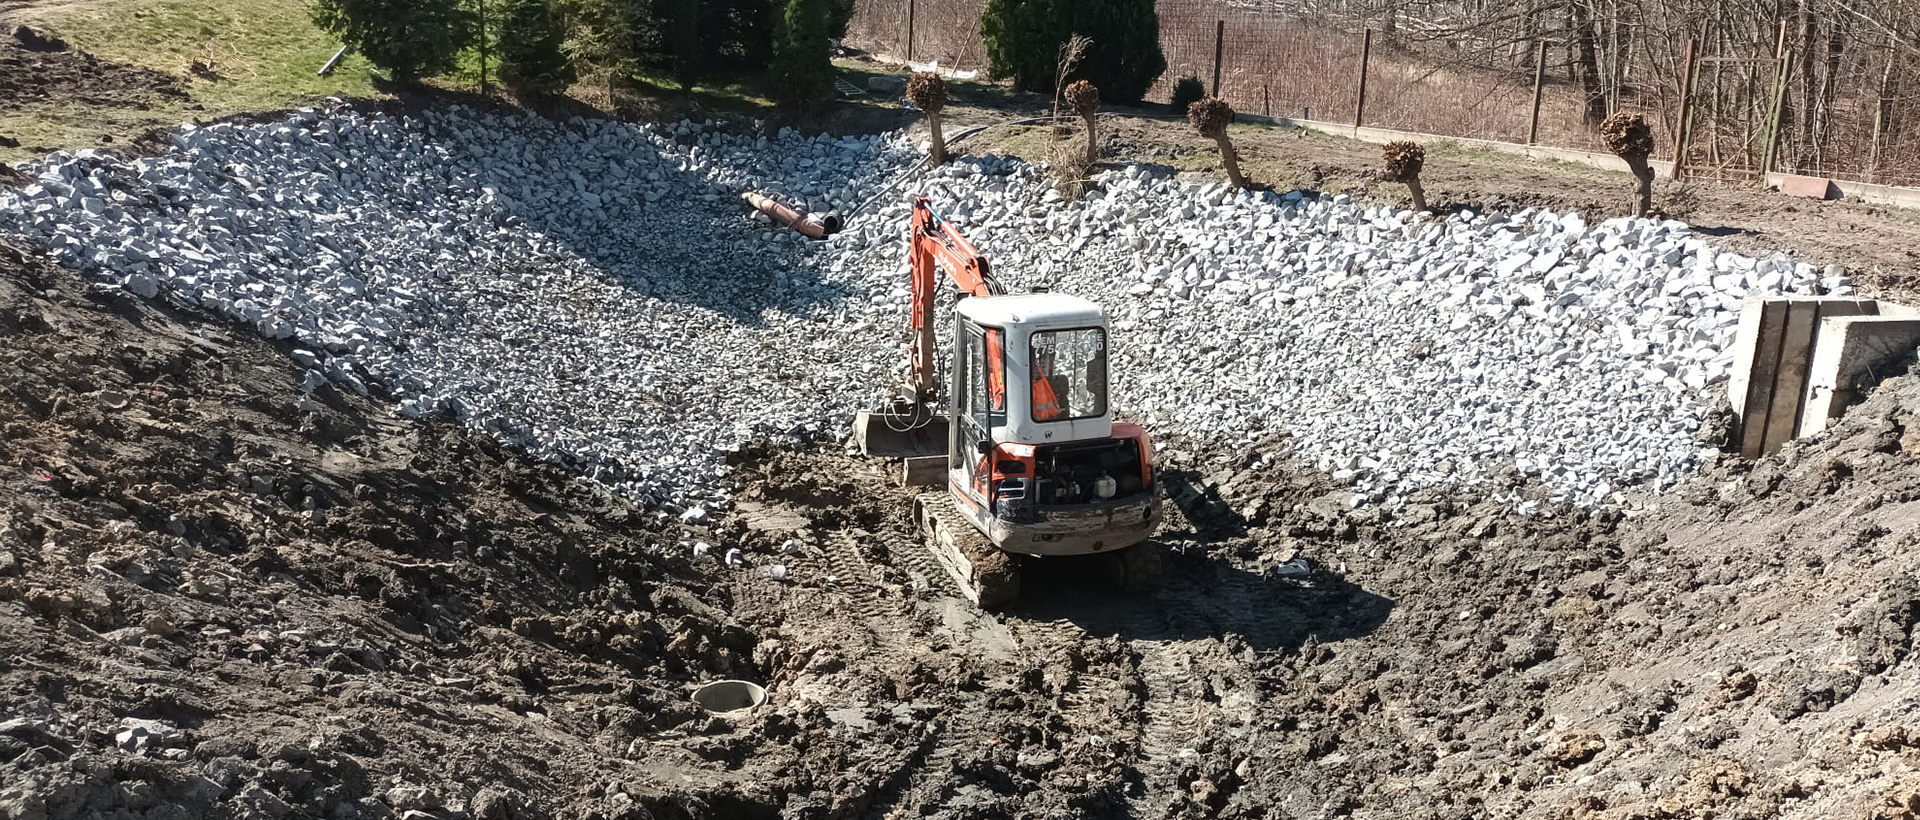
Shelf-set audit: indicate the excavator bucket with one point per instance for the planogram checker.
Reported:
(893, 434)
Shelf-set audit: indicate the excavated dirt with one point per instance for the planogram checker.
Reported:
(35, 70)
(223, 596)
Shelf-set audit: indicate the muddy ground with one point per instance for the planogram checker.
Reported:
(223, 596)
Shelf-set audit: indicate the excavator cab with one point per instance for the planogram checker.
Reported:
(1021, 430)
(1034, 456)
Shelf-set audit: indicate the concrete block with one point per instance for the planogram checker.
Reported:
(1756, 356)
(1811, 187)
(1790, 376)
(1852, 353)
(1773, 348)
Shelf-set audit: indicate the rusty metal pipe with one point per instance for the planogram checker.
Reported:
(813, 226)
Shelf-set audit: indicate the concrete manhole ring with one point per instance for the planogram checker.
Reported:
(729, 695)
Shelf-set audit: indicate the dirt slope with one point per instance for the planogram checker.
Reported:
(334, 614)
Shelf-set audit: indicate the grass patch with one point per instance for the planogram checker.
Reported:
(265, 52)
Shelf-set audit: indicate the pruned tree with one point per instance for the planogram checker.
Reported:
(1211, 116)
(1085, 100)
(533, 56)
(1628, 136)
(928, 92)
(411, 39)
(802, 53)
(1405, 159)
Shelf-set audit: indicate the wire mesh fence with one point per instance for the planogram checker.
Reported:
(1849, 112)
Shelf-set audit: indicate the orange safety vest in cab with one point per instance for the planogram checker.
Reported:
(1046, 405)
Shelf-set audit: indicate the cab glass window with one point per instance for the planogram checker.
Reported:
(1069, 374)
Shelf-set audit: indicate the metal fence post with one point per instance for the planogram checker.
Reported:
(1539, 84)
(1686, 108)
(1219, 47)
(1360, 97)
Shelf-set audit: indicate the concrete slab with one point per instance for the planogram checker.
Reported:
(1852, 353)
(1810, 187)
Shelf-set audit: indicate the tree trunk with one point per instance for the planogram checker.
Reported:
(1093, 143)
(1882, 113)
(938, 153)
(686, 36)
(1587, 59)
(1643, 174)
(1231, 160)
(1419, 194)
(1829, 84)
(1809, 87)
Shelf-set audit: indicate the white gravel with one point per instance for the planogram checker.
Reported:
(597, 293)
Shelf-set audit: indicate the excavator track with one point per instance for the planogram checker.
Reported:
(1136, 569)
(987, 576)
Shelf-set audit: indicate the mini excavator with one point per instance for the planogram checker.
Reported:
(1022, 431)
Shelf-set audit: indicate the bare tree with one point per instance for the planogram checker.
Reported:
(1211, 116)
(928, 93)
(1085, 99)
(1629, 136)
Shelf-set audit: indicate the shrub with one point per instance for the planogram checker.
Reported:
(802, 63)
(603, 37)
(409, 38)
(689, 37)
(1024, 39)
(839, 15)
(533, 57)
(1187, 91)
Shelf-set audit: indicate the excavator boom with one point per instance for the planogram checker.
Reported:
(933, 243)
(915, 426)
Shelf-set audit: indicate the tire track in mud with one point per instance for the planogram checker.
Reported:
(932, 772)
(849, 571)
(1190, 655)
(1124, 692)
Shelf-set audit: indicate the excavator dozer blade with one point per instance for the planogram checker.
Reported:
(888, 434)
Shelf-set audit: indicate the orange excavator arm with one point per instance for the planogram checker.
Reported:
(933, 242)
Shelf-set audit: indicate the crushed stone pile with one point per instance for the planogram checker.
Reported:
(596, 293)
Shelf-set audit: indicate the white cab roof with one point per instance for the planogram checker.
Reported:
(1042, 309)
